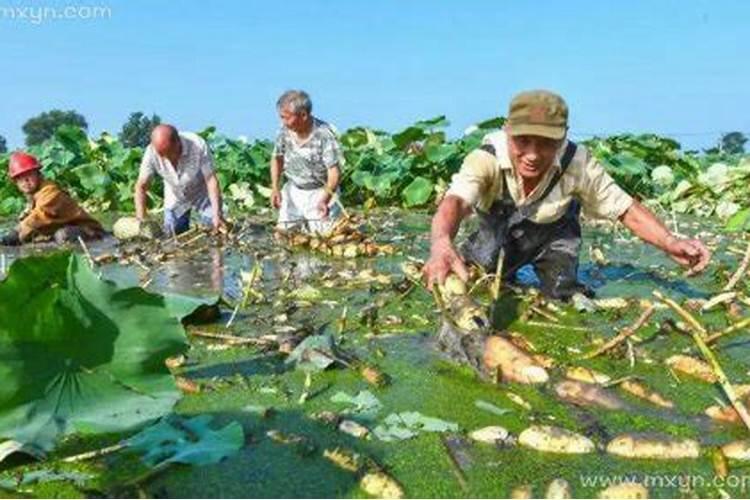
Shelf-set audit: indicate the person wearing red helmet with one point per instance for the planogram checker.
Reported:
(51, 212)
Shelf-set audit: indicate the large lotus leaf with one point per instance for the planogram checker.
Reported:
(189, 441)
(739, 221)
(418, 192)
(79, 354)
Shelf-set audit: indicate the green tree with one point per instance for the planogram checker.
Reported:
(136, 132)
(3, 145)
(733, 143)
(43, 126)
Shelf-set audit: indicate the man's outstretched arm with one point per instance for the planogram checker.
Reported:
(644, 224)
(444, 257)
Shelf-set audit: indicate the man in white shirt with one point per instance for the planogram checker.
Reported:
(183, 160)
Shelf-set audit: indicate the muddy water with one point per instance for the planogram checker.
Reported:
(392, 327)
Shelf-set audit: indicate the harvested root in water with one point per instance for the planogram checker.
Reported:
(346, 240)
(640, 390)
(354, 429)
(624, 491)
(737, 450)
(373, 375)
(719, 461)
(302, 445)
(345, 459)
(522, 491)
(612, 303)
(380, 485)
(551, 439)
(327, 417)
(584, 394)
(558, 489)
(692, 366)
(587, 375)
(491, 435)
(514, 365)
(187, 386)
(727, 413)
(175, 361)
(653, 447)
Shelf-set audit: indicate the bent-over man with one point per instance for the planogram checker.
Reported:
(184, 161)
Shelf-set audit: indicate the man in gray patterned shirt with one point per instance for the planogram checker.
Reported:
(307, 152)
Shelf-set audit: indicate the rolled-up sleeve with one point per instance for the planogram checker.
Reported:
(148, 167)
(331, 151)
(206, 159)
(278, 146)
(477, 179)
(600, 195)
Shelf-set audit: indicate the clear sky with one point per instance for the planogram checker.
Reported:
(673, 67)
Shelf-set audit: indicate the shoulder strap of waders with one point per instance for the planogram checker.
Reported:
(565, 161)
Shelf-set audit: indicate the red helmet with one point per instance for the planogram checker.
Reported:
(20, 163)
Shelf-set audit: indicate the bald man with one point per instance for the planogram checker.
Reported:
(183, 160)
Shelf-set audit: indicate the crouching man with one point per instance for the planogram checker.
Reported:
(184, 162)
(51, 213)
(528, 184)
(308, 154)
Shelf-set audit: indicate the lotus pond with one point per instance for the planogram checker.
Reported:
(415, 428)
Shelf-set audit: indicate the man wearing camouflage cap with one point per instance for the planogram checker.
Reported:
(528, 183)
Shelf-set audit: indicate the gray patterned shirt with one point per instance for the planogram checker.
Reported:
(306, 164)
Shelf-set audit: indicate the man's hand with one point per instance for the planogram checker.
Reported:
(444, 259)
(689, 253)
(692, 254)
(323, 208)
(219, 224)
(276, 199)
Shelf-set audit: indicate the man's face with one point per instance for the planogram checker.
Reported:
(532, 155)
(293, 121)
(29, 182)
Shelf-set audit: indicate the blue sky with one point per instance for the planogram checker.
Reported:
(671, 67)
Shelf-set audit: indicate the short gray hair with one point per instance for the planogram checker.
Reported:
(298, 100)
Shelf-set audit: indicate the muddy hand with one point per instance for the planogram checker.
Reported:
(443, 260)
(692, 254)
(323, 205)
(276, 199)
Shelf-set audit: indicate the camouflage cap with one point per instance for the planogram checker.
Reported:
(538, 112)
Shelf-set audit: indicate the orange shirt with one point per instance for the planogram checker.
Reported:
(51, 209)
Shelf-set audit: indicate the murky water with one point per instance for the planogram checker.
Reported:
(392, 326)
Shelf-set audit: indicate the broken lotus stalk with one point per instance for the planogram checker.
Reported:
(683, 313)
(698, 332)
(741, 270)
(624, 334)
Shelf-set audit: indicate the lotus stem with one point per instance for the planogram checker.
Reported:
(698, 332)
(86, 251)
(498, 275)
(740, 272)
(731, 329)
(624, 334)
(722, 378)
(94, 454)
(682, 312)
